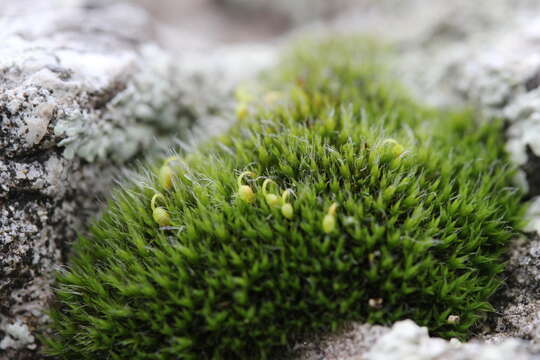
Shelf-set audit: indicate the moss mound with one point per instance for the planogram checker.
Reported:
(393, 211)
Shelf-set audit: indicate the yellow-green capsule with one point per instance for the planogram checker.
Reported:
(397, 148)
(166, 173)
(243, 95)
(244, 191)
(166, 177)
(287, 209)
(329, 220)
(161, 216)
(271, 199)
(329, 223)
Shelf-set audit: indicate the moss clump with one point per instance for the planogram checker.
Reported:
(394, 211)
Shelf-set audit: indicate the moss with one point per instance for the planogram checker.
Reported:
(380, 230)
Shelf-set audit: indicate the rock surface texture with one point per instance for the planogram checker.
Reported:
(348, 344)
(407, 341)
(518, 306)
(84, 89)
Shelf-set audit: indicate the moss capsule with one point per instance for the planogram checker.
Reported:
(397, 148)
(287, 209)
(165, 177)
(244, 191)
(243, 95)
(271, 199)
(329, 221)
(159, 214)
(166, 173)
(243, 98)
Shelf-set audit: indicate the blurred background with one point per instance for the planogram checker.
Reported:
(233, 21)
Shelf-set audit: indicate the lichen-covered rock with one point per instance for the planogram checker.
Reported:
(408, 341)
(518, 305)
(100, 95)
(84, 89)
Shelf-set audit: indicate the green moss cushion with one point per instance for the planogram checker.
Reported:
(395, 211)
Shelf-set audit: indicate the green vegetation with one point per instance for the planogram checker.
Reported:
(379, 209)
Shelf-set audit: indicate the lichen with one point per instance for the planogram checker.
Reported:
(17, 336)
(153, 104)
(407, 340)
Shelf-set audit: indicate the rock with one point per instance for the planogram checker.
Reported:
(84, 90)
(347, 344)
(533, 216)
(408, 341)
(518, 304)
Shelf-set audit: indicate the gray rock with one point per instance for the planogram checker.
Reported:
(518, 304)
(408, 341)
(349, 343)
(99, 93)
(84, 90)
